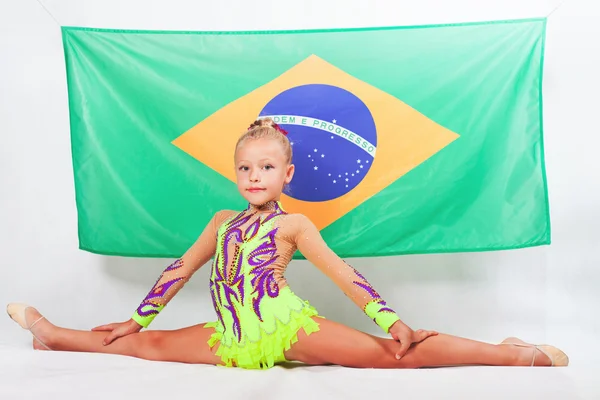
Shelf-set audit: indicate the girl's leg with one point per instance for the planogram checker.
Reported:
(338, 344)
(188, 345)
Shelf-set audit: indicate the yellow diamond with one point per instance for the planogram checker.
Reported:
(405, 137)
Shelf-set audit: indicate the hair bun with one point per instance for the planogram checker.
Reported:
(268, 123)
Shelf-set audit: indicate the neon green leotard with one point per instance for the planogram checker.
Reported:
(258, 316)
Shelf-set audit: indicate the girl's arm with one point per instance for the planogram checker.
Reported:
(355, 286)
(176, 275)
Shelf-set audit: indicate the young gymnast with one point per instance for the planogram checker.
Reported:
(260, 321)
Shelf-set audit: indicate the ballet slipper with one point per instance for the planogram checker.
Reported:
(16, 312)
(557, 357)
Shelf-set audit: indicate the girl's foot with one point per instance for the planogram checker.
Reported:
(38, 346)
(541, 356)
(30, 319)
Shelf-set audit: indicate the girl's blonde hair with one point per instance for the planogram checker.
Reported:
(266, 128)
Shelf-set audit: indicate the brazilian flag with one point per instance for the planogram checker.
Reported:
(415, 139)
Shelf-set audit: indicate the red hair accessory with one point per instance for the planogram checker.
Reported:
(280, 129)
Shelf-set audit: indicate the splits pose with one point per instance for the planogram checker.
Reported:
(260, 321)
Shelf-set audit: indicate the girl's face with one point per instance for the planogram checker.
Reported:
(262, 170)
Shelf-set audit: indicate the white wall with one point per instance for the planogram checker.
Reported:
(543, 294)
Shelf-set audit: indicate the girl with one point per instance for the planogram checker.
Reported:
(260, 321)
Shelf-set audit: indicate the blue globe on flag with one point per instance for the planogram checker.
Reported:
(333, 137)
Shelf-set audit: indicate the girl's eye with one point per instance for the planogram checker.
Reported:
(243, 168)
(268, 167)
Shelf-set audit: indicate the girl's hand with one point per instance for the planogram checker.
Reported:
(118, 330)
(406, 336)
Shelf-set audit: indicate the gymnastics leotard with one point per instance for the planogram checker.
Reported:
(258, 316)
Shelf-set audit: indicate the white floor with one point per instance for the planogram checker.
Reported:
(28, 374)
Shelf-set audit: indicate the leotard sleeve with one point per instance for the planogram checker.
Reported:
(355, 286)
(176, 275)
